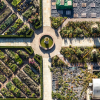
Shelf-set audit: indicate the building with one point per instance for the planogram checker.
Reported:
(95, 89)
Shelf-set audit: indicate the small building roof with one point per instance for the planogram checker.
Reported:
(96, 88)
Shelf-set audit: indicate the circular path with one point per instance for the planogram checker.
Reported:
(57, 40)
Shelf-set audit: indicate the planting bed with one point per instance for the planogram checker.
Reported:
(69, 83)
(81, 54)
(10, 26)
(21, 72)
(81, 29)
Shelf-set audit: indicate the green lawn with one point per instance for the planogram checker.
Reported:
(46, 45)
(15, 2)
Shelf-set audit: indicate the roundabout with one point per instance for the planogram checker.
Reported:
(46, 42)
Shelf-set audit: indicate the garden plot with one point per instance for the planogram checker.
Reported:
(69, 82)
(81, 29)
(10, 26)
(20, 71)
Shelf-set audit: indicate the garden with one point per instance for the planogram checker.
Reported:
(21, 73)
(30, 9)
(11, 25)
(57, 21)
(81, 54)
(81, 29)
(69, 83)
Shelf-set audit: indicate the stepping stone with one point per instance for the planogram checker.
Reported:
(83, 4)
(74, 4)
(93, 15)
(68, 12)
(75, 15)
(92, 4)
(60, 11)
(53, 7)
(83, 15)
(53, 3)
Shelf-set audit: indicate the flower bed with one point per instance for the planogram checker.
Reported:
(56, 61)
(81, 29)
(25, 79)
(13, 89)
(31, 84)
(29, 72)
(7, 22)
(81, 54)
(2, 6)
(5, 70)
(23, 30)
(13, 28)
(14, 56)
(2, 78)
(5, 14)
(21, 86)
(7, 93)
(57, 21)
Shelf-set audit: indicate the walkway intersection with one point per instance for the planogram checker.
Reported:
(59, 42)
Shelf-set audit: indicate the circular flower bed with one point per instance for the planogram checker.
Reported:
(46, 42)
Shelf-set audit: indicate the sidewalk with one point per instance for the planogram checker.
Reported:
(47, 82)
(46, 12)
(80, 42)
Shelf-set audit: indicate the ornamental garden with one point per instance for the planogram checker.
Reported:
(12, 26)
(20, 73)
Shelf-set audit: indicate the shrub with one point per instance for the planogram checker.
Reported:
(15, 2)
(23, 54)
(13, 89)
(6, 93)
(23, 30)
(21, 86)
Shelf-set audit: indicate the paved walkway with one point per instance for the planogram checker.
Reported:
(46, 12)
(81, 42)
(47, 81)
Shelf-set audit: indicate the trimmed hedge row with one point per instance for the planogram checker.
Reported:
(27, 48)
(39, 59)
(35, 26)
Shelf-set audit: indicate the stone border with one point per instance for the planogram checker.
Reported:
(43, 47)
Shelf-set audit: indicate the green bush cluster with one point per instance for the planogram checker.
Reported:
(15, 2)
(57, 21)
(2, 78)
(56, 61)
(7, 93)
(27, 69)
(13, 28)
(5, 14)
(81, 54)
(2, 5)
(23, 54)
(80, 29)
(14, 56)
(21, 86)
(7, 22)
(5, 70)
(13, 89)
(23, 30)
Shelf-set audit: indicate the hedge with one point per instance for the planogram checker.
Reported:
(41, 72)
(19, 36)
(36, 27)
(41, 69)
(19, 47)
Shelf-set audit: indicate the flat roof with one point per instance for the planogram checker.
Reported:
(96, 88)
